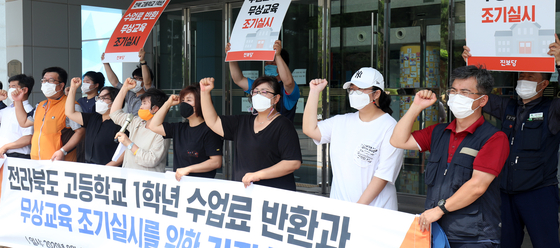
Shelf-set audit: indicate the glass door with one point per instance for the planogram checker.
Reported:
(206, 59)
(415, 62)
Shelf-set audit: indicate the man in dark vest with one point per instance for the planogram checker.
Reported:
(529, 186)
(466, 157)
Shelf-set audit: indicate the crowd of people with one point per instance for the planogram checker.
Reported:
(485, 184)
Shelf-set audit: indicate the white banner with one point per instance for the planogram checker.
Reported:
(63, 204)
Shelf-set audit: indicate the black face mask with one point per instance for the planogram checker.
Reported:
(186, 109)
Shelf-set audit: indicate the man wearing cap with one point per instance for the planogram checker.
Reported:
(467, 155)
(365, 165)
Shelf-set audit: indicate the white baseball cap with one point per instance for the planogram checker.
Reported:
(365, 78)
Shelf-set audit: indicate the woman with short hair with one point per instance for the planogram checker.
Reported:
(266, 143)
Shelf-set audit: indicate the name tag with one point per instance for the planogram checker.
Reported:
(535, 117)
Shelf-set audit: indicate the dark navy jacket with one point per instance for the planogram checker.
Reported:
(533, 157)
(480, 221)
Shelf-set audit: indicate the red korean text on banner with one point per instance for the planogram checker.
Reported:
(514, 63)
(133, 30)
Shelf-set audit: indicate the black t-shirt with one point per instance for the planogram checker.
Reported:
(88, 105)
(100, 144)
(256, 151)
(193, 145)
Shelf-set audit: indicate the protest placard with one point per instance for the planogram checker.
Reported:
(511, 35)
(133, 30)
(256, 29)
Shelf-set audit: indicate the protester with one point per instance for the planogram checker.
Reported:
(100, 129)
(197, 151)
(278, 68)
(146, 150)
(365, 165)
(267, 144)
(466, 157)
(52, 126)
(15, 141)
(143, 77)
(92, 82)
(529, 186)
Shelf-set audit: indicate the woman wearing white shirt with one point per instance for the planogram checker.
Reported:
(365, 165)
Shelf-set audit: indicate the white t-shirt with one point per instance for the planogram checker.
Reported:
(10, 130)
(359, 151)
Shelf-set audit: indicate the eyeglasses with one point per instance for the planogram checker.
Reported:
(461, 92)
(262, 92)
(102, 98)
(359, 91)
(50, 80)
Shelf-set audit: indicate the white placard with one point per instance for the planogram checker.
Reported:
(511, 35)
(245, 104)
(256, 29)
(251, 74)
(300, 105)
(300, 76)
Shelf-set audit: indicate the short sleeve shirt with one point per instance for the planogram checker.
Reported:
(490, 158)
(357, 158)
(99, 144)
(193, 145)
(87, 105)
(256, 151)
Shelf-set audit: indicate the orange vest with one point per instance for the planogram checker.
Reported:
(47, 130)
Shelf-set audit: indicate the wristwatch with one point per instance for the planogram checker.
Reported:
(129, 147)
(63, 151)
(143, 62)
(441, 205)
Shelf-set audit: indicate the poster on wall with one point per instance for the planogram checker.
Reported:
(66, 204)
(256, 29)
(511, 35)
(133, 30)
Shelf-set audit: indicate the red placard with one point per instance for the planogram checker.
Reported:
(133, 30)
(533, 64)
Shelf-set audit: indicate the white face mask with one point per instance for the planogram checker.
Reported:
(101, 107)
(461, 106)
(138, 87)
(10, 91)
(49, 89)
(86, 88)
(527, 89)
(358, 101)
(261, 103)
